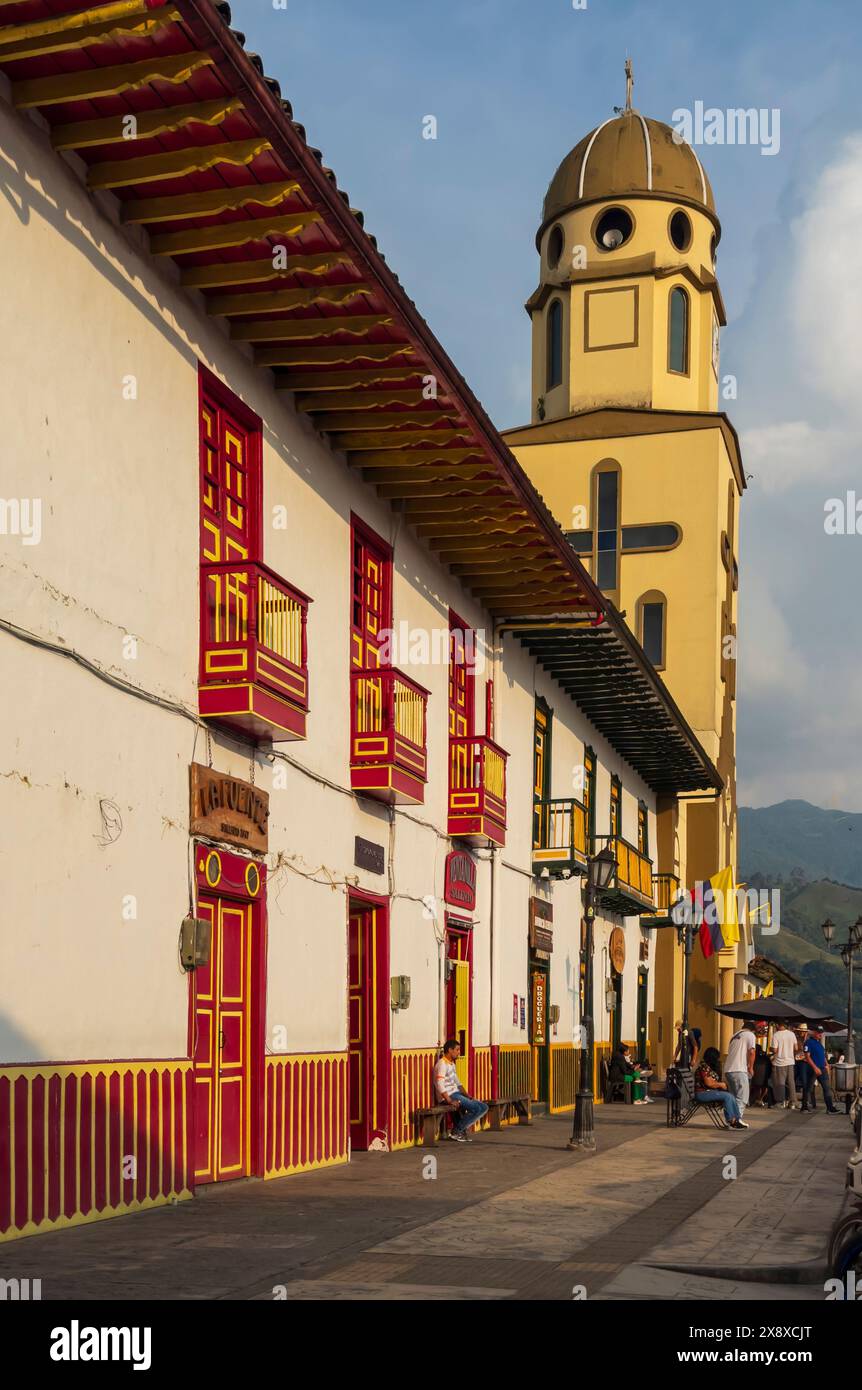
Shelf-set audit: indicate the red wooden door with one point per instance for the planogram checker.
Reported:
(222, 1043)
(230, 486)
(371, 612)
(368, 1025)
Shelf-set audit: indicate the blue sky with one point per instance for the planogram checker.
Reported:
(513, 85)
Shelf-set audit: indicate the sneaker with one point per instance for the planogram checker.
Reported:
(742, 1124)
(456, 1137)
(834, 1112)
(640, 1102)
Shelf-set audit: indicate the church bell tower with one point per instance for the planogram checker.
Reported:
(630, 450)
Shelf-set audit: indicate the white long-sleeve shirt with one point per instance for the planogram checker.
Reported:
(446, 1081)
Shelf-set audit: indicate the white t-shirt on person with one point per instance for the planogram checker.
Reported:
(446, 1081)
(741, 1044)
(784, 1047)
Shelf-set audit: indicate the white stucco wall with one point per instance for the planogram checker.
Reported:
(117, 478)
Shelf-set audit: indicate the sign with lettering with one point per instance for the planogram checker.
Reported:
(368, 855)
(541, 930)
(226, 808)
(539, 1007)
(459, 887)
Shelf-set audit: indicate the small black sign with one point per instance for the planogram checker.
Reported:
(369, 856)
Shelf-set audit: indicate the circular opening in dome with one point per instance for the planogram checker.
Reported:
(555, 246)
(613, 229)
(680, 230)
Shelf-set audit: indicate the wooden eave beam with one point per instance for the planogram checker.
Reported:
(409, 489)
(73, 33)
(288, 330)
(174, 164)
(231, 234)
(362, 440)
(413, 457)
(209, 277)
(379, 419)
(208, 204)
(107, 82)
(318, 356)
(327, 389)
(110, 130)
(275, 301)
(465, 473)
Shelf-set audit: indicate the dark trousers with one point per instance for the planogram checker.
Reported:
(810, 1081)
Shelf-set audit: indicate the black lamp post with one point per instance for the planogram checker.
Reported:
(600, 868)
(848, 952)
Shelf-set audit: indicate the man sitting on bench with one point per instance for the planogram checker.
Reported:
(709, 1087)
(450, 1092)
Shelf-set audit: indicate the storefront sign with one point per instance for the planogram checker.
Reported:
(541, 931)
(460, 880)
(368, 855)
(539, 1007)
(225, 808)
(618, 950)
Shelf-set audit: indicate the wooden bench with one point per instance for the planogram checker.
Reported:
(431, 1118)
(522, 1106)
(684, 1104)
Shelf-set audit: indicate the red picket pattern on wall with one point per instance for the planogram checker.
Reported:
(66, 1128)
(411, 1089)
(306, 1112)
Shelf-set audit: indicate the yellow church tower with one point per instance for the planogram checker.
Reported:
(642, 469)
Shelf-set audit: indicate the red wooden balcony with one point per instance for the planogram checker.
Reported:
(388, 751)
(477, 790)
(254, 662)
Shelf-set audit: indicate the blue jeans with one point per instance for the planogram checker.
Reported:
(730, 1103)
(470, 1112)
(808, 1098)
(739, 1085)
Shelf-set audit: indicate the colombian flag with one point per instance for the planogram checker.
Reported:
(719, 926)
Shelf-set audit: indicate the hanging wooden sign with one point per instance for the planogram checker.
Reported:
(618, 949)
(226, 808)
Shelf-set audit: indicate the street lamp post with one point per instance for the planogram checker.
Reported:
(600, 867)
(848, 952)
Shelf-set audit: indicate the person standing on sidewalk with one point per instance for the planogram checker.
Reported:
(739, 1063)
(450, 1092)
(816, 1070)
(783, 1060)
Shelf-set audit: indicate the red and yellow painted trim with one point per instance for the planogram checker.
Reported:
(565, 1062)
(411, 1089)
(83, 1141)
(306, 1112)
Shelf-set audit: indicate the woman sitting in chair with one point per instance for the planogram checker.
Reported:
(709, 1087)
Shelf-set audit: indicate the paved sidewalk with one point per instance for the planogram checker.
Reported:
(511, 1216)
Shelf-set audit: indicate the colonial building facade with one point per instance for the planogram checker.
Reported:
(314, 717)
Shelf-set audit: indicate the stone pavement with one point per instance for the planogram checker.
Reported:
(511, 1216)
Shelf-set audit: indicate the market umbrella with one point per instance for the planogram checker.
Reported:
(769, 1009)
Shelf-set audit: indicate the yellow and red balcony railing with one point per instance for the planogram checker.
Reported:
(665, 894)
(630, 889)
(254, 653)
(477, 789)
(388, 735)
(559, 836)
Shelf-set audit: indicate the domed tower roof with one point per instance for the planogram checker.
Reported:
(629, 155)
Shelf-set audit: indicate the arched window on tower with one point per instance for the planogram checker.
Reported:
(652, 627)
(678, 313)
(554, 358)
(606, 511)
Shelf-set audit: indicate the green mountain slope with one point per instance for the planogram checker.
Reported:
(795, 837)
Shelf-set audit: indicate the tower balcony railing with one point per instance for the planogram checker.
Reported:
(559, 836)
(477, 790)
(253, 651)
(388, 735)
(630, 890)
